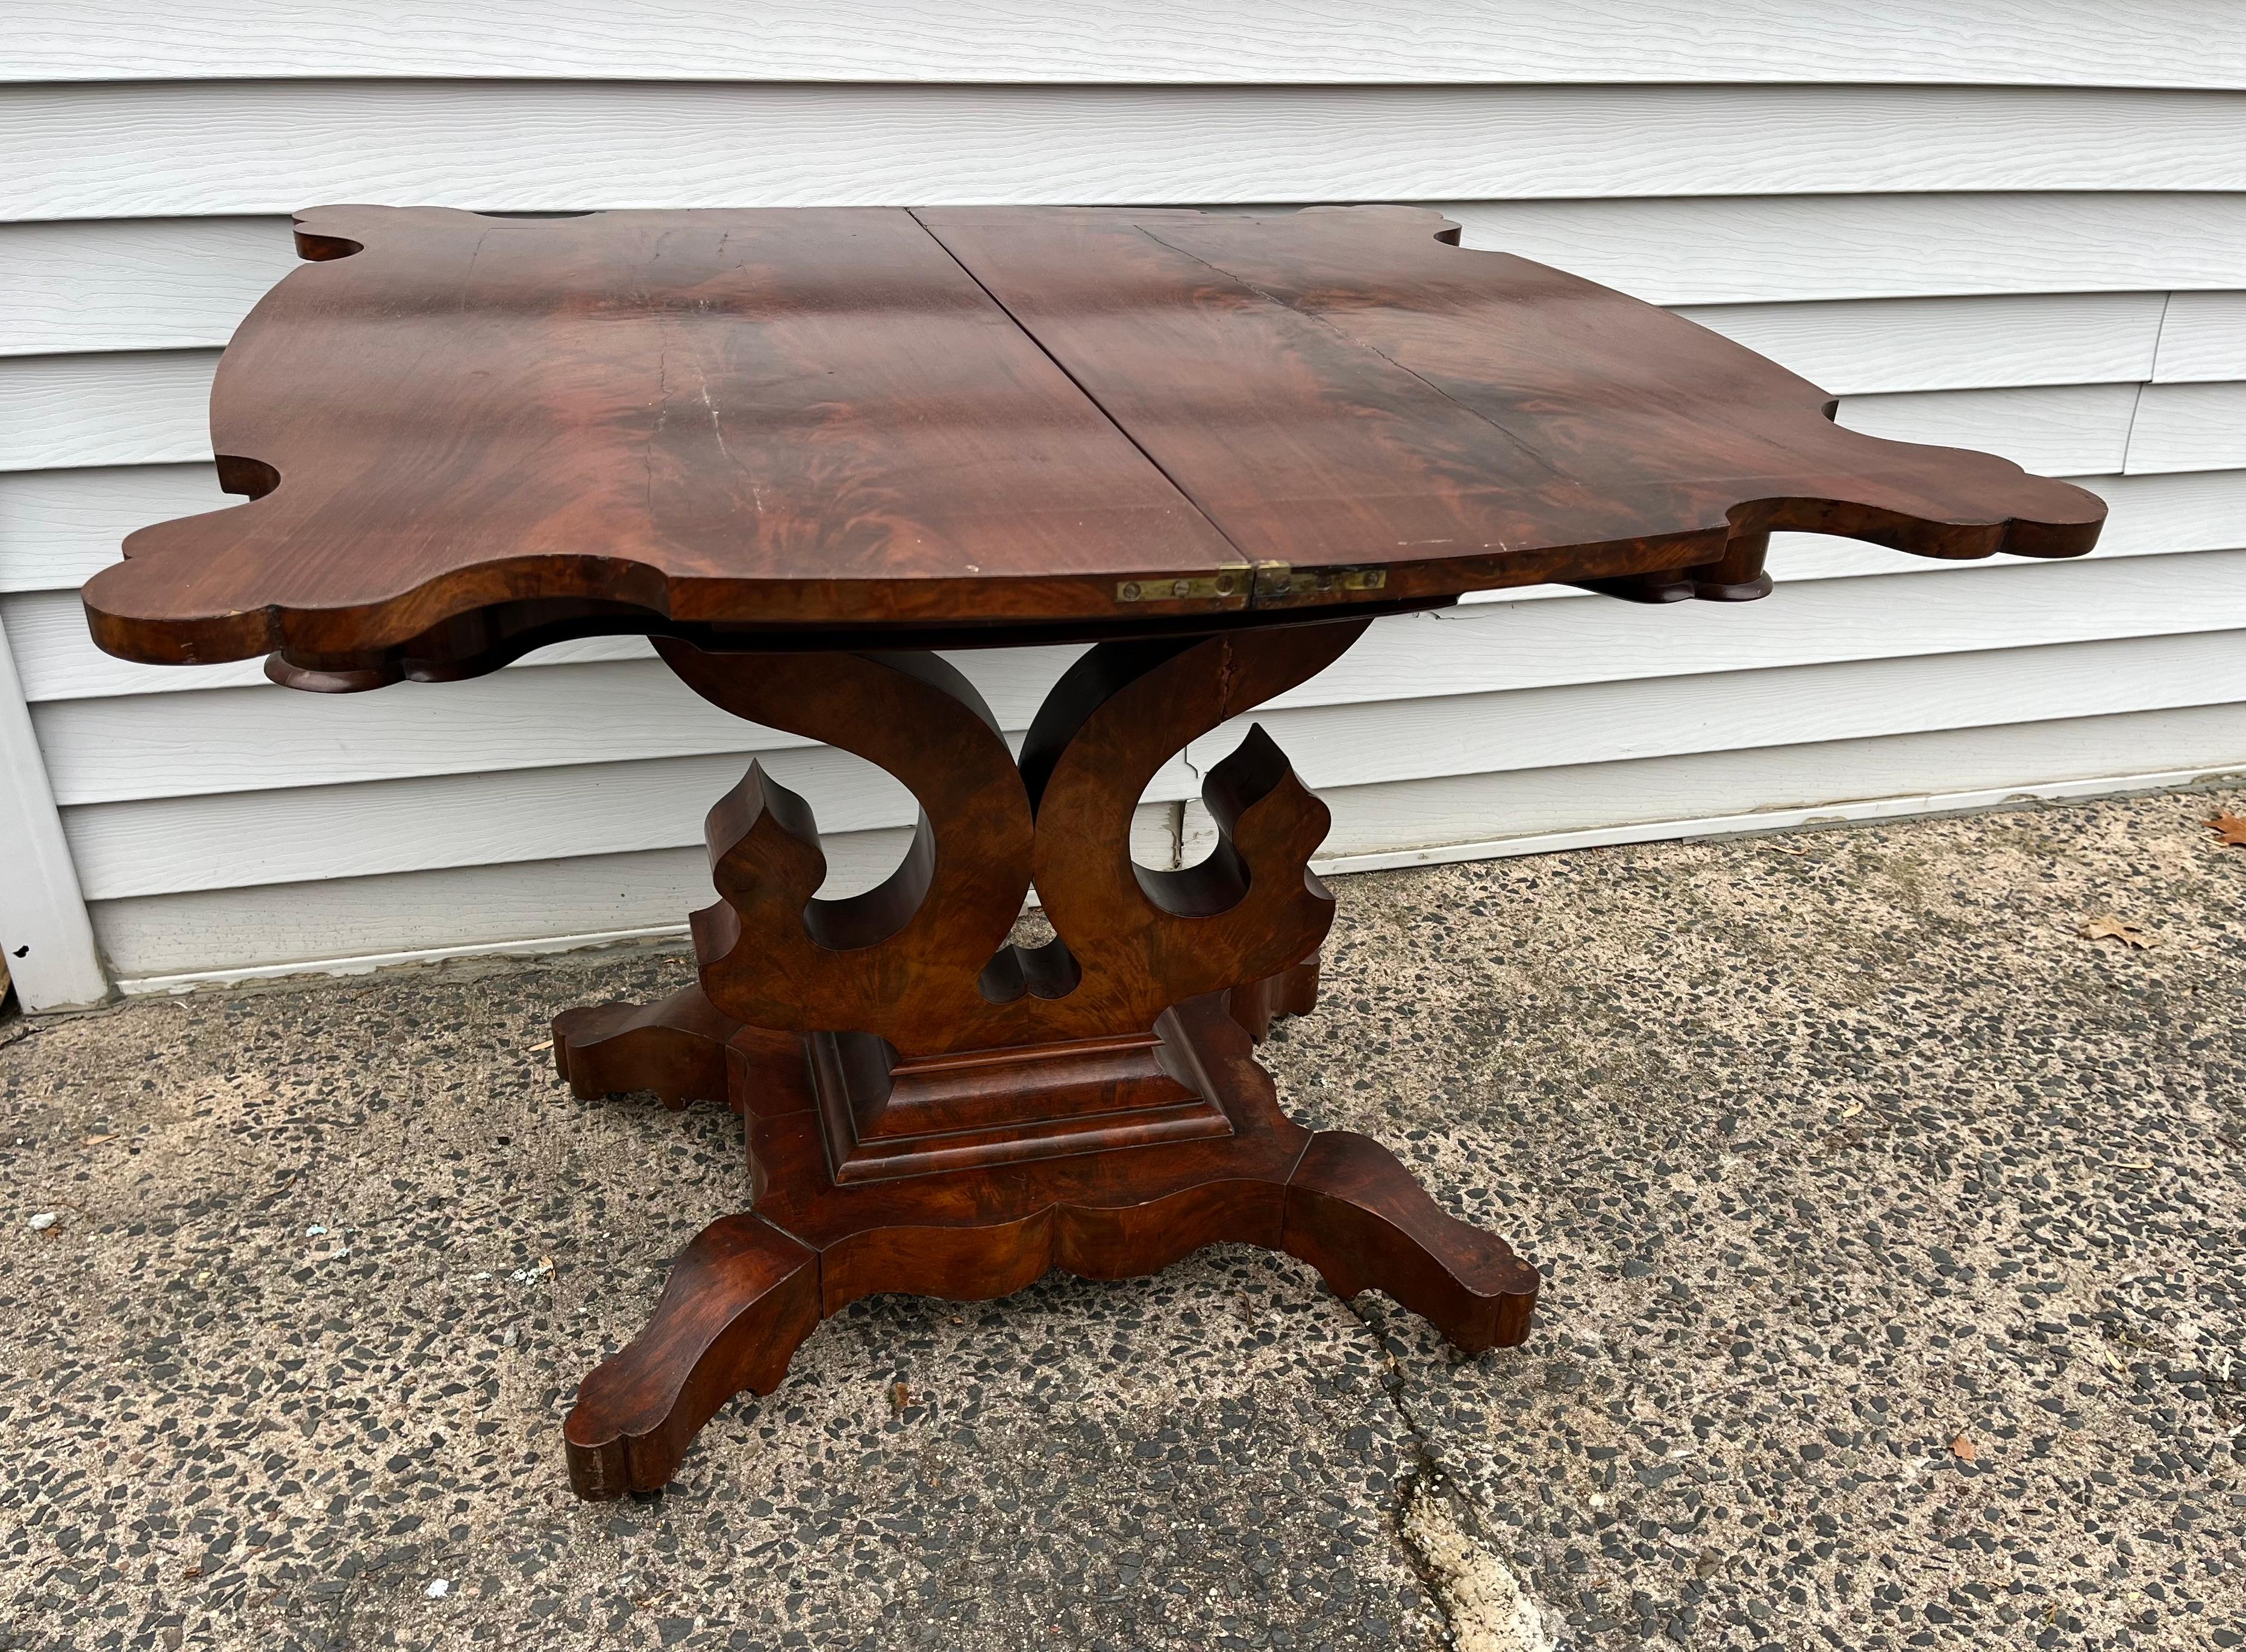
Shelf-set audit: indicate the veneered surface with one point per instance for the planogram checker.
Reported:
(472, 434)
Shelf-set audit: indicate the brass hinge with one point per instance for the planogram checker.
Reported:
(1234, 579)
(1276, 579)
(1267, 580)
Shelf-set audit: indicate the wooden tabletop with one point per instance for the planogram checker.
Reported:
(465, 435)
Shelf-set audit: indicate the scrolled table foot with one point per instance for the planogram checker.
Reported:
(1354, 1213)
(675, 1046)
(739, 1301)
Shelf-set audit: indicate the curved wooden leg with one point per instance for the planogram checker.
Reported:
(1354, 1213)
(675, 1046)
(739, 1300)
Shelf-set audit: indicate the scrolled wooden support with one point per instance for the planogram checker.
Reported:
(920, 961)
(1354, 1213)
(739, 1302)
(771, 955)
(675, 1046)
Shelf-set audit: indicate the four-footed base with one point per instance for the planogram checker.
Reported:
(752, 1286)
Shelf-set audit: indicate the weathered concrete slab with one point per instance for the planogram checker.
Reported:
(1837, 1147)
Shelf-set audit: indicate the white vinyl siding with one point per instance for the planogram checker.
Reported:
(2006, 225)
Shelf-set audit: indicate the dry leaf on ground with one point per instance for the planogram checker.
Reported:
(2109, 928)
(2230, 828)
(1962, 1448)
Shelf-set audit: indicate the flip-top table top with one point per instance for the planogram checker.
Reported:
(463, 435)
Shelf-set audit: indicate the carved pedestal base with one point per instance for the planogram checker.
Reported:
(934, 1109)
(752, 1287)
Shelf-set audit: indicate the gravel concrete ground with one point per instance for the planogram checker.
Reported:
(1892, 1226)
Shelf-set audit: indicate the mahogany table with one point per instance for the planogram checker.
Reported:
(802, 449)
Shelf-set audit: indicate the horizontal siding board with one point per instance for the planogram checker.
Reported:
(1872, 346)
(2058, 42)
(2075, 430)
(60, 661)
(340, 918)
(1496, 709)
(458, 907)
(1358, 744)
(2188, 427)
(1482, 808)
(337, 917)
(1792, 248)
(2203, 337)
(181, 283)
(255, 738)
(233, 839)
(115, 749)
(133, 407)
(58, 529)
(1496, 649)
(150, 283)
(236, 840)
(167, 150)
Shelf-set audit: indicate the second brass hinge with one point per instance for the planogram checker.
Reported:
(1276, 581)
(1234, 579)
(1265, 581)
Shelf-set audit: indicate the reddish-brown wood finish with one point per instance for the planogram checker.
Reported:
(802, 449)
(465, 435)
(675, 1047)
(933, 1108)
(739, 1300)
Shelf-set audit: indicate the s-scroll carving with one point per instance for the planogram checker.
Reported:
(921, 961)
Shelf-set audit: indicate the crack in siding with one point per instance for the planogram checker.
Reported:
(2159, 331)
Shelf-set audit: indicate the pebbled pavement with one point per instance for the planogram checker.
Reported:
(1892, 1227)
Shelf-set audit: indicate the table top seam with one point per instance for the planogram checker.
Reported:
(1082, 389)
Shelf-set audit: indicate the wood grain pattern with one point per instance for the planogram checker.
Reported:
(1338, 390)
(59, 412)
(739, 1300)
(58, 529)
(752, 1286)
(802, 449)
(933, 1108)
(1133, 941)
(2153, 516)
